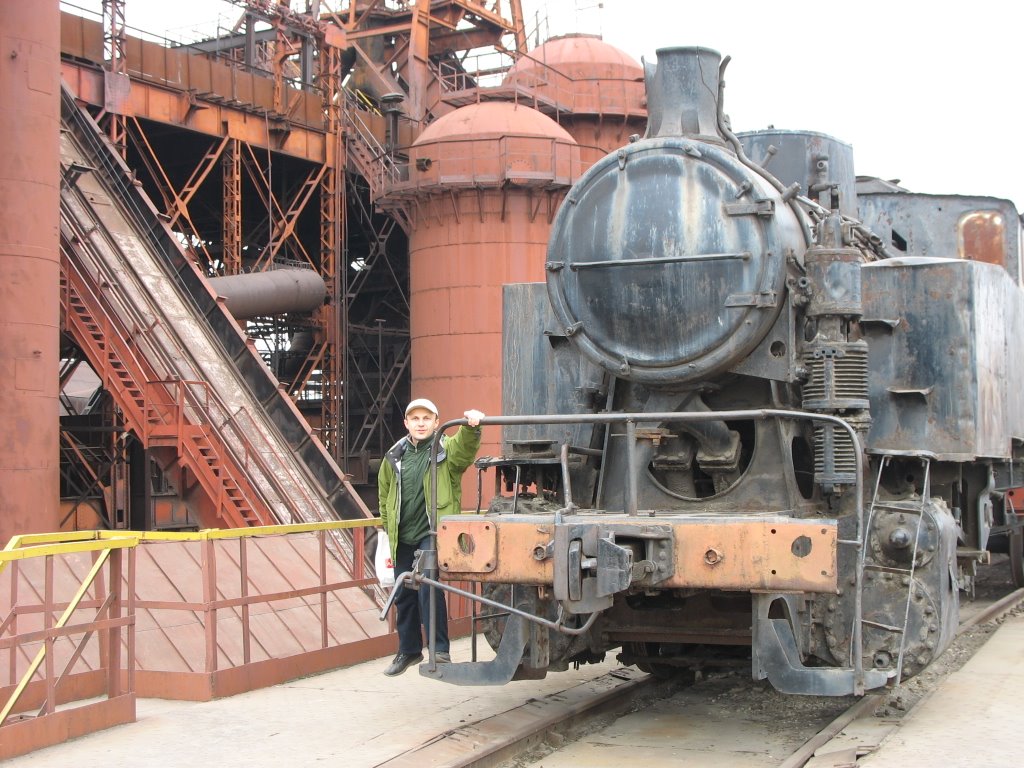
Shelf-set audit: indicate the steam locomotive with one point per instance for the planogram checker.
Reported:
(761, 409)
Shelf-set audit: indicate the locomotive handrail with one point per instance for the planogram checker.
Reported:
(631, 420)
(655, 260)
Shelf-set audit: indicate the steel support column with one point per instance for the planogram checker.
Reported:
(116, 83)
(334, 315)
(231, 164)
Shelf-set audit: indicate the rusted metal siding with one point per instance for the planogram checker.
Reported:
(190, 89)
(30, 262)
(182, 70)
(948, 226)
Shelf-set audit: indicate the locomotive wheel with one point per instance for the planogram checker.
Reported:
(1017, 556)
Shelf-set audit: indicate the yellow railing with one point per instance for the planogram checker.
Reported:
(111, 578)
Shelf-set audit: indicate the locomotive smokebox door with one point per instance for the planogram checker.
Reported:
(668, 261)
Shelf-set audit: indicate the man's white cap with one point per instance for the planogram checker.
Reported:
(421, 402)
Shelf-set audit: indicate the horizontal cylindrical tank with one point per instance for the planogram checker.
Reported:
(30, 261)
(276, 292)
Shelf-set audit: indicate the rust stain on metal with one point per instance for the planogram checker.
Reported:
(514, 558)
(756, 554)
(470, 545)
(732, 554)
(712, 556)
(982, 237)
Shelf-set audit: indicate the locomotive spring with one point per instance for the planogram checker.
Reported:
(837, 377)
(835, 461)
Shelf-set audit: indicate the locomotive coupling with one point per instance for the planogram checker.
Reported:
(591, 566)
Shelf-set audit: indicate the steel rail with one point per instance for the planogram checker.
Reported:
(862, 708)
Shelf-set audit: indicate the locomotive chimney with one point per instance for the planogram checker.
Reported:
(682, 94)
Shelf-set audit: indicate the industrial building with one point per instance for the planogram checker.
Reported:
(227, 266)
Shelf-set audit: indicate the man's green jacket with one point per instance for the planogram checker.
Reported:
(454, 456)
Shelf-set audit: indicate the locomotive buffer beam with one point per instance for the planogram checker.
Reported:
(759, 552)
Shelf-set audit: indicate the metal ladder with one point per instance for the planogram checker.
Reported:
(913, 507)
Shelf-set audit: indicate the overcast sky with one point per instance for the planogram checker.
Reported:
(927, 92)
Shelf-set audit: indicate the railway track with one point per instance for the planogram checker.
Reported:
(627, 716)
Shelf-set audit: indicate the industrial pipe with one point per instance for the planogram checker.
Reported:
(259, 294)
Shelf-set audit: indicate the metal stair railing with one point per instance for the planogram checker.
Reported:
(149, 404)
(172, 271)
(195, 404)
(369, 156)
(289, 503)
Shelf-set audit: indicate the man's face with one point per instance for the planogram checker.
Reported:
(421, 423)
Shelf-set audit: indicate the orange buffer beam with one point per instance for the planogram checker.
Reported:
(734, 553)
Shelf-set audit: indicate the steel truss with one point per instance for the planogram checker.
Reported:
(242, 205)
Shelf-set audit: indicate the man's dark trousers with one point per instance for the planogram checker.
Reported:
(413, 606)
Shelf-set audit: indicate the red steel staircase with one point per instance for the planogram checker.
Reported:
(155, 410)
(183, 373)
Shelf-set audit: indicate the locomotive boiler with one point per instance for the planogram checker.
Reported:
(755, 412)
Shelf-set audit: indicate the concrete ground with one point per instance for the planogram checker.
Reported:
(974, 718)
(353, 717)
(356, 717)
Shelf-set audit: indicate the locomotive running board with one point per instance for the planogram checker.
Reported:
(776, 657)
(498, 671)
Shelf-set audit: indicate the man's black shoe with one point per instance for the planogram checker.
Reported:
(402, 662)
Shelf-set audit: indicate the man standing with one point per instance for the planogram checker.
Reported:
(403, 487)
